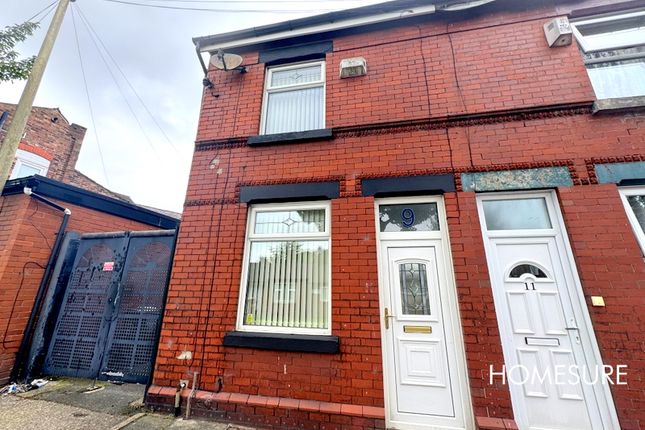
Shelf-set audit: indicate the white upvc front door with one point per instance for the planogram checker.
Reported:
(423, 357)
(550, 353)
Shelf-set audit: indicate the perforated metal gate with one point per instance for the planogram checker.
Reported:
(110, 314)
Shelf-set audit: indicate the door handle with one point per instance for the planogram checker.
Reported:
(387, 316)
(572, 325)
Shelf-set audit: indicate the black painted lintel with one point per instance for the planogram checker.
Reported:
(290, 192)
(408, 185)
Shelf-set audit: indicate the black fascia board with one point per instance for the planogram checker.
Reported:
(283, 342)
(326, 18)
(408, 185)
(289, 192)
(292, 53)
(77, 196)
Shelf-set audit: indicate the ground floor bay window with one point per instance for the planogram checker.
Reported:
(286, 278)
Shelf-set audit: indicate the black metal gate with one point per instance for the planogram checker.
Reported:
(109, 317)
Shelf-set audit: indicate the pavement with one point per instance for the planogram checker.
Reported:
(80, 404)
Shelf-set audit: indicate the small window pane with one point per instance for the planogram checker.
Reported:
(288, 285)
(411, 217)
(26, 170)
(522, 269)
(516, 214)
(414, 289)
(637, 204)
(614, 34)
(618, 78)
(290, 222)
(301, 75)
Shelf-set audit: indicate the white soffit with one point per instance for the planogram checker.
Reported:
(321, 28)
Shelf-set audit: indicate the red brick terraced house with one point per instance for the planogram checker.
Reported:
(392, 205)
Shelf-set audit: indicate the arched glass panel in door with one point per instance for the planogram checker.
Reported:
(527, 269)
(414, 289)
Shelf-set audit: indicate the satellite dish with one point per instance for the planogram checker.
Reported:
(224, 61)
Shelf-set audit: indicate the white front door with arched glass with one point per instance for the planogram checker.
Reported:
(551, 356)
(423, 356)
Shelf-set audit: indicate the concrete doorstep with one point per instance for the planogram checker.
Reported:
(79, 404)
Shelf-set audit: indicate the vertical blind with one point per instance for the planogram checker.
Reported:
(288, 280)
(295, 110)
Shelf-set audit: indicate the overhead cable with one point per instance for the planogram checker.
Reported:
(134, 91)
(159, 6)
(89, 99)
(50, 7)
(116, 82)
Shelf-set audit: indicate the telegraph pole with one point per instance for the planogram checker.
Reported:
(19, 121)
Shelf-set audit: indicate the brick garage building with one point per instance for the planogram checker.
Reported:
(29, 229)
(357, 253)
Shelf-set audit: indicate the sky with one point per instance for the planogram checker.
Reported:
(138, 143)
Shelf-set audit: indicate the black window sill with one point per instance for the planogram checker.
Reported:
(620, 104)
(295, 137)
(283, 342)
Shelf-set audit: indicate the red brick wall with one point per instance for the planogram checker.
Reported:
(438, 68)
(501, 63)
(570, 140)
(28, 230)
(610, 265)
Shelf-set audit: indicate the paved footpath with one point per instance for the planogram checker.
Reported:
(67, 404)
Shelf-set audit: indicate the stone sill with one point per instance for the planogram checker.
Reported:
(295, 137)
(619, 105)
(283, 342)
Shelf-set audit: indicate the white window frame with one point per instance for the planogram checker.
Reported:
(257, 237)
(636, 227)
(270, 90)
(584, 43)
(29, 159)
(603, 52)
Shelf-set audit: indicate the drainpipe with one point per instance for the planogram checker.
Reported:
(206, 81)
(19, 368)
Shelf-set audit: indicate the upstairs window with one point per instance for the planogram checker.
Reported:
(28, 164)
(294, 98)
(613, 48)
